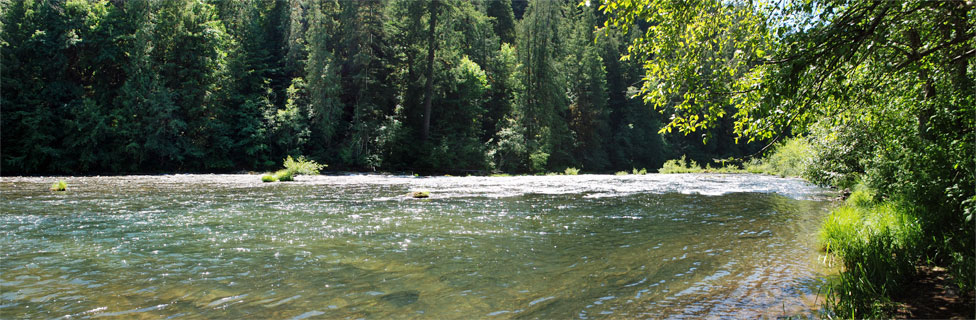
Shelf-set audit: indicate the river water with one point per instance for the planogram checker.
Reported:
(355, 246)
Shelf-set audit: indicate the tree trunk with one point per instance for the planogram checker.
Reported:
(429, 87)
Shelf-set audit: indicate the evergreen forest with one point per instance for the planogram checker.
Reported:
(444, 86)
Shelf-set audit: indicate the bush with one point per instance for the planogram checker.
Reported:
(59, 186)
(680, 166)
(538, 161)
(642, 171)
(268, 178)
(303, 166)
(792, 158)
(623, 173)
(571, 171)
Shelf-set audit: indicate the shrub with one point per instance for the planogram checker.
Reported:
(642, 171)
(268, 178)
(680, 166)
(571, 171)
(792, 158)
(538, 161)
(59, 186)
(623, 173)
(302, 166)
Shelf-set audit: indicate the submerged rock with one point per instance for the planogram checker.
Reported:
(420, 194)
(402, 298)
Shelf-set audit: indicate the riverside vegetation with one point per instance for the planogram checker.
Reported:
(882, 92)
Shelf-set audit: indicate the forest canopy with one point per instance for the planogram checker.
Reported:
(439, 86)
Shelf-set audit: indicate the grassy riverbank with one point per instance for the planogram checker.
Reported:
(898, 258)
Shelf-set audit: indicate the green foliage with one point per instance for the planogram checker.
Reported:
(883, 91)
(538, 161)
(59, 186)
(878, 244)
(268, 178)
(621, 173)
(681, 165)
(792, 158)
(571, 171)
(284, 175)
(302, 166)
(642, 171)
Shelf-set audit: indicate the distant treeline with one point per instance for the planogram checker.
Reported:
(218, 86)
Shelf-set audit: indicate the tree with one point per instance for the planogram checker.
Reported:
(900, 74)
(587, 82)
(540, 44)
(504, 23)
(362, 52)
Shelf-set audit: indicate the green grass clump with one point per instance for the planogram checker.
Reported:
(622, 173)
(571, 171)
(268, 178)
(59, 186)
(284, 175)
(877, 244)
(642, 171)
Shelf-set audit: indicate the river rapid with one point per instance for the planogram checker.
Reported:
(356, 246)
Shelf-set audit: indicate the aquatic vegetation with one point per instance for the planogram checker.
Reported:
(59, 186)
(303, 166)
(293, 168)
(284, 175)
(571, 171)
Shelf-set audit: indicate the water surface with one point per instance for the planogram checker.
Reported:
(230, 246)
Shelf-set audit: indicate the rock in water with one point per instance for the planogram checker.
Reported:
(402, 298)
(420, 194)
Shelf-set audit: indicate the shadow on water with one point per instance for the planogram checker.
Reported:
(520, 247)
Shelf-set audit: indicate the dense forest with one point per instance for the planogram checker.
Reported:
(443, 86)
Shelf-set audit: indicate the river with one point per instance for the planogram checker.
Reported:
(355, 246)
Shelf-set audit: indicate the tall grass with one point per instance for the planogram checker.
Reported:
(877, 243)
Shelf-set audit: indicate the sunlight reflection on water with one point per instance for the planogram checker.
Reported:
(589, 246)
